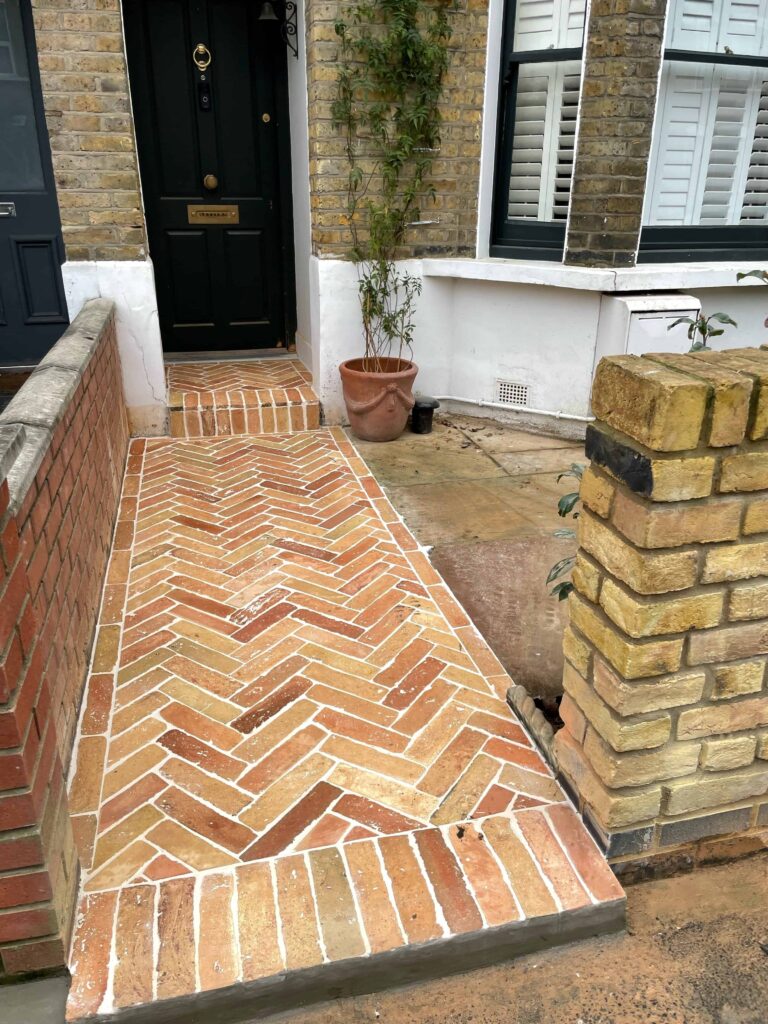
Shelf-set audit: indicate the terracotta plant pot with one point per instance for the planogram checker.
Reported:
(378, 403)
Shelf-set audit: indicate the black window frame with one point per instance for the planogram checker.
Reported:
(522, 237)
(707, 243)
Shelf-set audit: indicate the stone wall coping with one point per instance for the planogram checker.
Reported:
(28, 422)
(657, 277)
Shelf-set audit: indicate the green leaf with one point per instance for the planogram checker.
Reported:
(761, 275)
(566, 503)
(562, 590)
(680, 320)
(723, 318)
(561, 567)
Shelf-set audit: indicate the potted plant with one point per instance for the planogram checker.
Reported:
(392, 62)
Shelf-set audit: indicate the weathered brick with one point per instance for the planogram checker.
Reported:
(658, 407)
(735, 562)
(639, 734)
(637, 698)
(753, 364)
(648, 616)
(640, 769)
(737, 678)
(632, 660)
(729, 396)
(586, 577)
(719, 755)
(611, 808)
(673, 525)
(744, 472)
(577, 651)
(756, 516)
(659, 478)
(728, 643)
(736, 716)
(574, 720)
(646, 572)
(597, 491)
(749, 602)
(699, 791)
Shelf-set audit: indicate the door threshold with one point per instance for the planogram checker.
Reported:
(229, 355)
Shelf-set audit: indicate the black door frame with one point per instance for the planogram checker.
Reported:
(284, 196)
(46, 160)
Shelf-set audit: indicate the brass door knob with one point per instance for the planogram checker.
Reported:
(211, 182)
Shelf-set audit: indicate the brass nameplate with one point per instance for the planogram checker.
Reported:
(200, 214)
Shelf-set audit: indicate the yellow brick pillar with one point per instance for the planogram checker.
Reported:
(666, 705)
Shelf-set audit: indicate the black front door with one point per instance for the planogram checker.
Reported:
(208, 82)
(33, 310)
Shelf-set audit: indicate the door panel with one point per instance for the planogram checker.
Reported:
(31, 291)
(214, 137)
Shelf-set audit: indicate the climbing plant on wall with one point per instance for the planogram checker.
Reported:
(392, 61)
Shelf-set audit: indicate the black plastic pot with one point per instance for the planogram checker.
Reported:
(421, 414)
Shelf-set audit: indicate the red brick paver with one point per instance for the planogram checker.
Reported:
(299, 734)
(241, 397)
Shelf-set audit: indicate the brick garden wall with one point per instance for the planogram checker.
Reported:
(666, 701)
(456, 169)
(63, 443)
(85, 91)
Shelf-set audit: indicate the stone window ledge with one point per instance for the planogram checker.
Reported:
(647, 277)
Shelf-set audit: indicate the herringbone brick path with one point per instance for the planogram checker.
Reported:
(241, 397)
(289, 718)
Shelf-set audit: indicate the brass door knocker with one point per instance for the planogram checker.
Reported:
(201, 55)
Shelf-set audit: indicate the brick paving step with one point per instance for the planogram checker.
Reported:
(295, 759)
(260, 396)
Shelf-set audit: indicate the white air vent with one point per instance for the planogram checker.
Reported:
(510, 392)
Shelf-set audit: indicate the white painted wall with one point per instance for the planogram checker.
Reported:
(302, 238)
(131, 286)
(471, 331)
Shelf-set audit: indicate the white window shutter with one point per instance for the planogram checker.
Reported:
(694, 25)
(542, 145)
(548, 24)
(754, 208)
(743, 25)
(735, 100)
(683, 129)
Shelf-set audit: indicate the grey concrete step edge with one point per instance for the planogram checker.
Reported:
(247, 1002)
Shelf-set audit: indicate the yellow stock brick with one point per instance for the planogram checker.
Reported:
(762, 746)
(749, 602)
(639, 769)
(642, 617)
(658, 407)
(753, 364)
(613, 810)
(574, 720)
(756, 517)
(699, 791)
(729, 396)
(744, 472)
(639, 734)
(586, 577)
(637, 698)
(577, 651)
(736, 562)
(597, 491)
(728, 643)
(651, 525)
(682, 479)
(724, 754)
(737, 678)
(737, 716)
(632, 660)
(646, 572)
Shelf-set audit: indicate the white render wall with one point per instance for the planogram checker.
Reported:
(130, 284)
(471, 331)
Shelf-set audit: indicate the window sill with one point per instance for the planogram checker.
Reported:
(643, 278)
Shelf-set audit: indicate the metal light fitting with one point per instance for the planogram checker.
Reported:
(287, 21)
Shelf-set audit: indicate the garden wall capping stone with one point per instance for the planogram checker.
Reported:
(674, 548)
